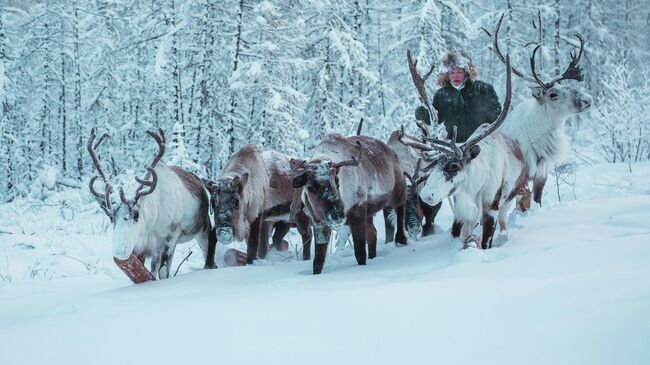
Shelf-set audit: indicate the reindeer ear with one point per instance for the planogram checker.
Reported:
(474, 151)
(538, 93)
(244, 179)
(299, 181)
(297, 165)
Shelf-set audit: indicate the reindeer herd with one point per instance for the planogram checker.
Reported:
(346, 182)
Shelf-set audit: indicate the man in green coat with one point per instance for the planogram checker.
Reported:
(462, 100)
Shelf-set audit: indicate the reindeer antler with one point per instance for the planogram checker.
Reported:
(160, 141)
(504, 112)
(572, 72)
(497, 51)
(104, 199)
(447, 145)
(411, 143)
(416, 179)
(419, 81)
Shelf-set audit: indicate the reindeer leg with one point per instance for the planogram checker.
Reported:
(302, 223)
(489, 226)
(371, 233)
(456, 228)
(359, 238)
(253, 239)
(167, 256)
(322, 234)
(504, 212)
(280, 231)
(400, 237)
(263, 245)
(358, 218)
(430, 212)
(466, 232)
(155, 262)
(210, 249)
(389, 224)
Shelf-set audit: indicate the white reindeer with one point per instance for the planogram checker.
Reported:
(537, 123)
(170, 208)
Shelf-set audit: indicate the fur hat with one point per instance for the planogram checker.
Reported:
(456, 59)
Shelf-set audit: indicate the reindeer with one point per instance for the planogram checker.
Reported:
(416, 209)
(483, 175)
(537, 123)
(347, 181)
(170, 206)
(254, 188)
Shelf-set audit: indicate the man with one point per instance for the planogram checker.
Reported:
(462, 100)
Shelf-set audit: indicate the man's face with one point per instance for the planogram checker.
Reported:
(456, 76)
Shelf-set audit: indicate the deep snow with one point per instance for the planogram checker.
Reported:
(570, 284)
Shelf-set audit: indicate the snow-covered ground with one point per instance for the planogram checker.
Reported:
(568, 284)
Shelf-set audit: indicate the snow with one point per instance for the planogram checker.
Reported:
(568, 283)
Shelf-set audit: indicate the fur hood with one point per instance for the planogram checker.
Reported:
(456, 59)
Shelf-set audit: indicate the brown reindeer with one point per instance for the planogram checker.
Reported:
(415, 208)
(255, 186)
(347, 181)
(170, 206)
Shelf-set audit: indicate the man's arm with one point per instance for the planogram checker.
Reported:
(492, 101)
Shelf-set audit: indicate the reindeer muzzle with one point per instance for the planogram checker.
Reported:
(584, 102)
(134, 269)
(335, 222)
(224, 235)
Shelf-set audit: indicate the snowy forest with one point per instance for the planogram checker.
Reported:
(216, 75)
(564, 279)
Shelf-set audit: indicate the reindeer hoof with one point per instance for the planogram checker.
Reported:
(472, 241)
(282, 246)
(234, 257)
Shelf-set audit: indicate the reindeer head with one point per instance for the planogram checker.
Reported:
(128, 216)
(227, 196)
(320, 183)
(446, 171)
(446, 168)
(559, 100)
(413, 213)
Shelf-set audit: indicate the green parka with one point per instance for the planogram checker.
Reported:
(476, 103)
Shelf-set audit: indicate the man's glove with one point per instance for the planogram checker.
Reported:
(421, 113)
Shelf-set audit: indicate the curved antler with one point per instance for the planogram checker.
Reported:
(504, 112)
(447, 145)
(419, 81)
(416, 179)
(416, 173)
(573, 71)
(411, 143)
(160, 141)
(150, 183)
(533, 69)
(104, 199)
(497, 51)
